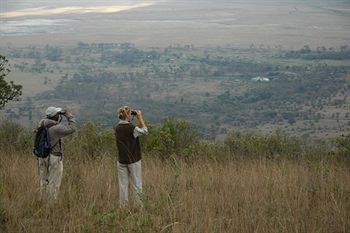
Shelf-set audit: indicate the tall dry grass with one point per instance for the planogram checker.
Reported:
(202, 196)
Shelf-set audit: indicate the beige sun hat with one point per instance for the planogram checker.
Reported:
(52, 111)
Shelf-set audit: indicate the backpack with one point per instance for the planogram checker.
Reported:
(42, 145)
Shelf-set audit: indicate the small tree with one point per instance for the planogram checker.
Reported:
(8, 91)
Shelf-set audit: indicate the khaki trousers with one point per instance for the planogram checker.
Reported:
(133, 173)
(50, 173)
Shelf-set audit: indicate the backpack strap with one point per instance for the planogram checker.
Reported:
(48, 126)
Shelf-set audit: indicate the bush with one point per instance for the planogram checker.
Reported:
(277, 144)
(172, 137)
(206, 149)
(343, 146)
(91, 142)
(318, 153)
(14, 136)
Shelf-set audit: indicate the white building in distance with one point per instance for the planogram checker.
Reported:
(260, 79)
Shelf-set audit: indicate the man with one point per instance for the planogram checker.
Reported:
(51, 167)
(129, 157)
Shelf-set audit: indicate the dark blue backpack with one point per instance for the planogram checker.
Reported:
(42, 145)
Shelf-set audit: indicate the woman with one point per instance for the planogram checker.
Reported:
(129, 156)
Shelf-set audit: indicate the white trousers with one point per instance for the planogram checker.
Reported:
(131, 172)
(50, 173)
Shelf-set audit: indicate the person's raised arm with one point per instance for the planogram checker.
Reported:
(140, 120)
(142, 128)
(65, 130)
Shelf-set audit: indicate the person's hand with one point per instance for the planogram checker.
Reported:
(67, 112)
(139, 114)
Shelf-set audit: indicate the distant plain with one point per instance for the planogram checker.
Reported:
(288, 24)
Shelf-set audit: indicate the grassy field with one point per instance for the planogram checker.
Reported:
(200, 196)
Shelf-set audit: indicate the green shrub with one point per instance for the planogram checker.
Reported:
(206, 149)
(318, 153)
(91, 142)
(172, 137)
(14, 136)
(343, 146)
(248, 144)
